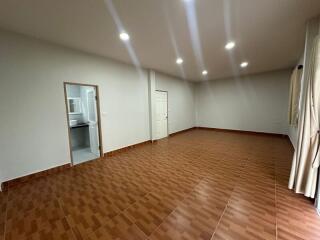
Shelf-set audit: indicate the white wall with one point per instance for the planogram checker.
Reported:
(254, 103)
(181, 97)
(33, 129)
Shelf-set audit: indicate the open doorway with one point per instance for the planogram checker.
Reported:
(84, 128)
(161, 114)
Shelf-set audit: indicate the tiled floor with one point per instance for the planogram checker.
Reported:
(83, 155)
(196, 185)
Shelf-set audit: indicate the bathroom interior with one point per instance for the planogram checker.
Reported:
(83, 122)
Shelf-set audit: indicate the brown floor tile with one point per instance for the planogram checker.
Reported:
(196, 185)
(149, 212)
(296, 216)
(85, 215)
(197, 215)
(3, 212)
(248, 217)
(45, 221)
(120, 228)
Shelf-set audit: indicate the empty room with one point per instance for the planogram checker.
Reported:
(159, 119)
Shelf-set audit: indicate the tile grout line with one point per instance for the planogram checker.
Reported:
(123, 212)
(65, 216)
(120, 212)
(216, 228)
(224, 210)
(173, 210)
(149, 192)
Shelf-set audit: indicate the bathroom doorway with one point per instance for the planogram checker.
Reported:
(84, 128)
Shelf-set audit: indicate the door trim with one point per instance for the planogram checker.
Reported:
(167, 109)
(98, 115)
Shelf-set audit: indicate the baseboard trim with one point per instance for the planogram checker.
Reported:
(242, 132)
(124, 149)
(182, 131)
(14, 182)
(11, 183)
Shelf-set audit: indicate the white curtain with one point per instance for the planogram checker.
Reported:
(294, 95)
(304, 170)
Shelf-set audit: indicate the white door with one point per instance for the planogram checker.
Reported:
(161, 114)
(93, 122)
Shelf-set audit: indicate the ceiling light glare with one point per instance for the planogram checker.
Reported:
(204, 72)
(124, 36)
(179, 61)
(230, 45)
(244, 64)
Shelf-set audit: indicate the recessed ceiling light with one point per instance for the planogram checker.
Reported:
(204, 72)
(230, 45)
(179, 61)
(124, 36)
(244, 64)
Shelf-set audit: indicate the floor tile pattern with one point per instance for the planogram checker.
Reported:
(199, 184)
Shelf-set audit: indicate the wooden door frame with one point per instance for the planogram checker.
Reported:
(167, 109)
(98, 115)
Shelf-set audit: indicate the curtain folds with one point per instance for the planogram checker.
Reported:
(304, 170)
(294, 95)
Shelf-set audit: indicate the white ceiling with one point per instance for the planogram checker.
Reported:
(268, 33)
